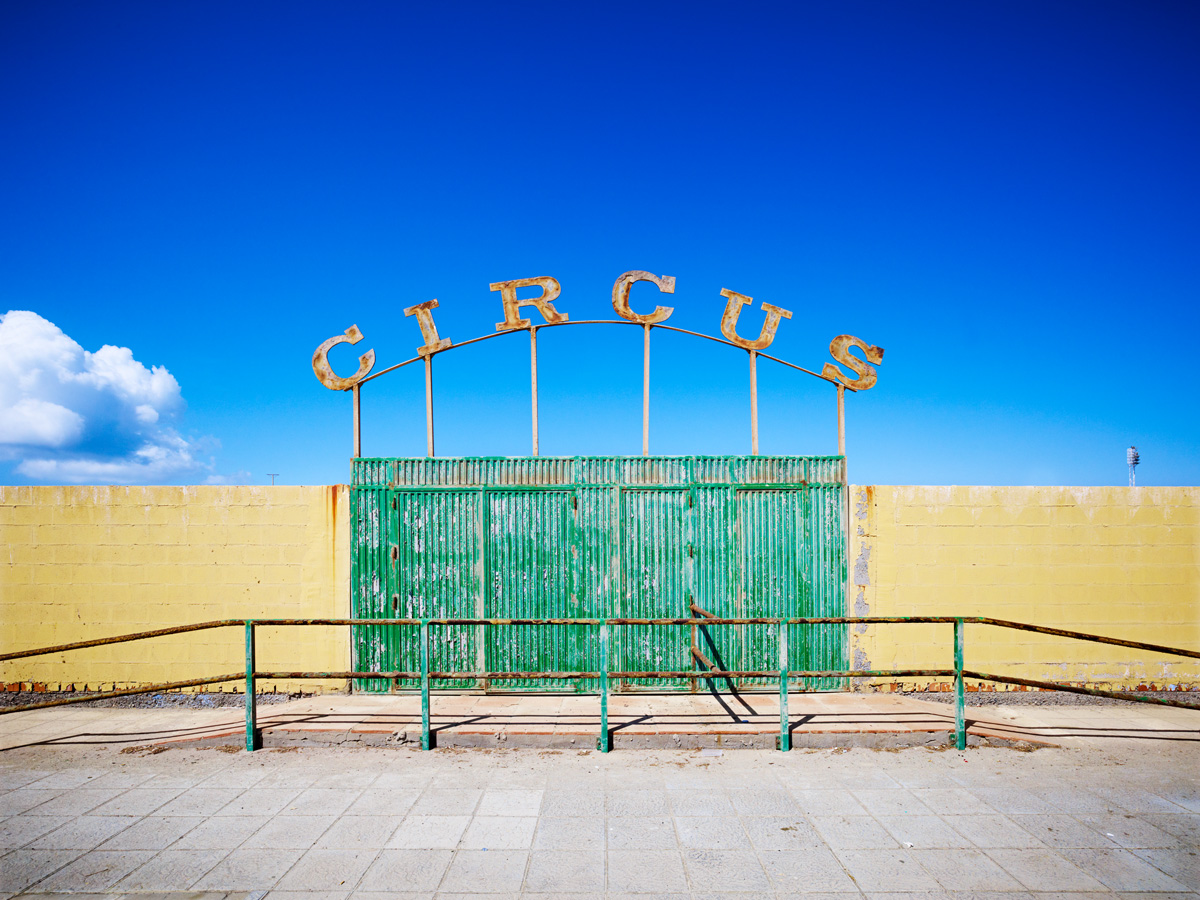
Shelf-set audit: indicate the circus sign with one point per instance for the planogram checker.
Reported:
(518, 316)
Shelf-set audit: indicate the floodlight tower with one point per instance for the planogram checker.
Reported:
(1131, 457)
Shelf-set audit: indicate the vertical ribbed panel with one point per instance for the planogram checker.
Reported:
(531, 557)
(368, 590)
(826, 547)
(714, 517)
(584, 537)
(655, 581)
(773, 582)
(433, 571)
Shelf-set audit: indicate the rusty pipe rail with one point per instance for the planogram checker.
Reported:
(700, 618)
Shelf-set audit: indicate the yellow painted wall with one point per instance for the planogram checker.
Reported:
(1122, 562)
(78, 563)
(81, 562)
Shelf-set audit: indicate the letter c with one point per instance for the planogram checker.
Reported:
(325, 375)
(620, 297)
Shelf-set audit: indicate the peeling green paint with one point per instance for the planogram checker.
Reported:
(595, 537)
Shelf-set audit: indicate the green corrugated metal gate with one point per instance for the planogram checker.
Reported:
(597, 537)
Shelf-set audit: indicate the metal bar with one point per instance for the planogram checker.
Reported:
(121, 638)
(809, 620)
(696, 652)
(701, 612)
(573, 485)
(1084, 636)
(429, 405)
(785, 734)
(533, 387)
(124, 692)
(841, 413)
(251, 716)
(960, 718)
(707, 337)
(1071, 689)
(357, 421)
(646, 392)
(753, 403)
(715, 673)
(604, 742)
(424, 684)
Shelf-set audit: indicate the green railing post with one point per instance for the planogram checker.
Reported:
(424, 684)
(960, 718)
(785, 735)
(603, 743)
(251, 712)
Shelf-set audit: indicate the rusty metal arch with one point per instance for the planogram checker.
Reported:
(646, 327)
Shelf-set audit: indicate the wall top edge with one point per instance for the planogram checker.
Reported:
(563, 471)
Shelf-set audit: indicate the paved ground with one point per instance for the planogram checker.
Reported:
(1100, 818)
(567, 721)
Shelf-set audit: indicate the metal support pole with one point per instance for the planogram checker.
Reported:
(429, 405)
(754, 403)
(960, 723)
(251, 712)
(785, 734)
(533, 383)
(646, 392)
(424, 684)
(357, 422)
(841, 389)
(604, 743)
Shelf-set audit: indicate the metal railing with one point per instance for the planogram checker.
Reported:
(700, 618)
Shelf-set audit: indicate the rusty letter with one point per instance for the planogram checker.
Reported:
(424, 314)
(666, 284)
(733, 309)
(839, 347)
(544, 302)
(326, 376)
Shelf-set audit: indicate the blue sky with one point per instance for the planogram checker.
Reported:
(1003, 195)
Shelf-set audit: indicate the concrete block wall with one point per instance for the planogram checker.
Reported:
(78, 563)
(81, 562)
(1122, 562)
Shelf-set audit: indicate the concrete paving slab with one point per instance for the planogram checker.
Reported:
(641, 833)
(486, 871)
(560, 872)
(712, 833)
(646, 871)
(328, 870)
(429, 833)
(1044, 870)
(83, 833)
(21, 830)
(168, 870)
(152, 833)
(96, 871)
(365, 832)
(406, 870)
(575, 833)
(20, 870)
(806, 871)
(248, 870)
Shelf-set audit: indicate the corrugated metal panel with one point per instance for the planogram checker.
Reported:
(826, 548)
(714, 513)
(775, 580)
(655, 578)
(531, 562)
(596, 537)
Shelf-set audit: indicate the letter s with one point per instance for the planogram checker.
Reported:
(839, 348)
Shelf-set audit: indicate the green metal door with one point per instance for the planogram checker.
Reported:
(588, 537)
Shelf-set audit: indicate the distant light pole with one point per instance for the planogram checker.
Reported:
(275, 475)
(1131, 457)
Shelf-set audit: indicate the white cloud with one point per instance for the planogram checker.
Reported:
(70, 415)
